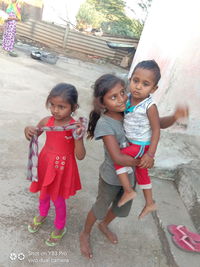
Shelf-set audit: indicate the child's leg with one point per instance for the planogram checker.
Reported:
(144, 182)
(112, 213)
(85, 235)
(59, 222)
(44, 205)
(129, 193)
(61, 214)
(150, 204)
(103, 227)
(100, 211)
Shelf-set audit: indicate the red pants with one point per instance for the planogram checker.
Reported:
(142, 176)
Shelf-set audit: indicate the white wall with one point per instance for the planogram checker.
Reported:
(171, 36)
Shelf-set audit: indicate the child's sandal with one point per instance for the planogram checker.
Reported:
(50, 243)
(33, 228)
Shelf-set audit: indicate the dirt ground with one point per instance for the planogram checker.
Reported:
(24, 85)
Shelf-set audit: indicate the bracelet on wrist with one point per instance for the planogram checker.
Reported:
(151, 155)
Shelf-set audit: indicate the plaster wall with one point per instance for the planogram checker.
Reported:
(171, 36)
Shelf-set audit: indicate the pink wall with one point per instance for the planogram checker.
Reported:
(171, 36)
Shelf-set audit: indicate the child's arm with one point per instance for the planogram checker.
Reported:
(11, 18)
(78, 139)
(29, 131)
(153, 116)
(113, 148)
(80, 149)
(180, 112)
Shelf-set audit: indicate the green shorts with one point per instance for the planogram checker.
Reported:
(109, 195)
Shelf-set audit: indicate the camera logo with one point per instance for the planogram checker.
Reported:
(19, 256)
(13, 256)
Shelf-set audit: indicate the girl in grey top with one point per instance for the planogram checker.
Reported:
(105, 122)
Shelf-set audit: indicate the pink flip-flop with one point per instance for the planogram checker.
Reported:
(186, 244)
(180, 230)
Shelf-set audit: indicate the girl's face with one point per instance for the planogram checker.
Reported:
(142, 83)
(115, 99)
(60, 109)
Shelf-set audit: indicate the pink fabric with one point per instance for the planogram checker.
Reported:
(141, 174)
(60, 210)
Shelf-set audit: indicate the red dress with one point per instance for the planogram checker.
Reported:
(57, 168)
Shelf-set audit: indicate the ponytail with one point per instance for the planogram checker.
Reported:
(93, 118)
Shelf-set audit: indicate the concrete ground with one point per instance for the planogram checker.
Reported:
(24, 85)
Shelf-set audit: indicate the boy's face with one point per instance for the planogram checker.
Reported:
(142, 83)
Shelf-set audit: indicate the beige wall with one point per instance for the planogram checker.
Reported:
(171, 36)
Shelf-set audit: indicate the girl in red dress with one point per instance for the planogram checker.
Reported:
(58, 176)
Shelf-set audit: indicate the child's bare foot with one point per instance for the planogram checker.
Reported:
(109, 234)
(147, 209)
(127, 196)
(85, 245)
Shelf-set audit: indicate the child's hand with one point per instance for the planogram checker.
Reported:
(10, 18)
(81, 129)
(146, 161)
(79, 132)
(136, 162)
(29, 131)
(181, 112)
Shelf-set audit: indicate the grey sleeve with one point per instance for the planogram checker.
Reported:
(103, 128)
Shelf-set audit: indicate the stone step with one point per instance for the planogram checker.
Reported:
(177, 160)
(174, 151)
(188, 185)
(186, 178)
(171, 210)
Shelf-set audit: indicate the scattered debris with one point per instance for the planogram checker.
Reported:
(44, 56)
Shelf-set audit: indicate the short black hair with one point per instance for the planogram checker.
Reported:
(149, 65)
